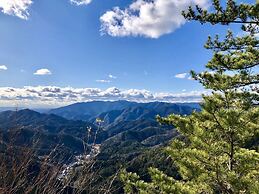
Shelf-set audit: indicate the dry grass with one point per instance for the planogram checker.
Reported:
(22, 172)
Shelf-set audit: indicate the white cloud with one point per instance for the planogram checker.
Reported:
(147, 18)
(43, 72)
(3, 67)
(17, 8)
(181, 75)
(103, 81)
(80, 2)
(112, 76)
(43, 96)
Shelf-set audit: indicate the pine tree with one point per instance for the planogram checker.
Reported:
(214, 155)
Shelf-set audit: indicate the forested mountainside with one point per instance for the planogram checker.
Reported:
(115, 111)
(43, 132)
(122, 121)
(125, 136)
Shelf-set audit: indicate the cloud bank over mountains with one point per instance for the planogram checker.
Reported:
(52, 96)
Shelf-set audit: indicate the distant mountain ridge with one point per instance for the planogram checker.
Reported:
(88, 110)
(40, 110)
(118, 111)
(45, 122)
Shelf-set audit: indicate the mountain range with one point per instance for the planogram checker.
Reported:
(67, 126)
(117, 111)
(127, 135)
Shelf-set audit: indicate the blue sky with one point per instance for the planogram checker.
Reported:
(62, 40)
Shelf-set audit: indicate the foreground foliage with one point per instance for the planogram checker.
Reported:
(213, 155)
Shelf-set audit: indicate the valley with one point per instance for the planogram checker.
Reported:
(107, 135)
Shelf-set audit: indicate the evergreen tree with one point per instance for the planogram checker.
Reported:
(214, 154)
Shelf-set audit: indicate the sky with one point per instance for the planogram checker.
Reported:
(57, 52)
